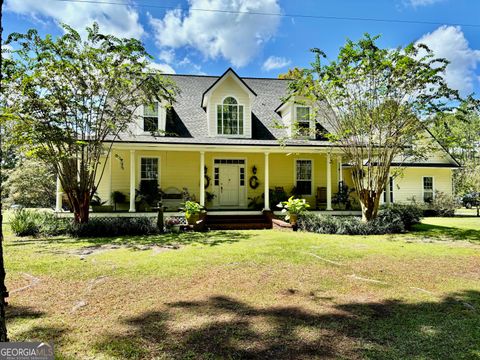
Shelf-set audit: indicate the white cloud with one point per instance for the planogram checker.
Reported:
(122, 21)
(164, 68)
(275, 62)
(6, 51)
(193, 68)
(449, 42)
(167, 55)
(233, 36)
(419, 3)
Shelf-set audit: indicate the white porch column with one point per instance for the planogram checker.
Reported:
(202, 178)
(132, 181)
(109, 180)
(266, 205)
(340, 170)
(329, 182)
(58, 199)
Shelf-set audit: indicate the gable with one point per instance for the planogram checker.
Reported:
(229, 87)
(439, 156)
(229, 75)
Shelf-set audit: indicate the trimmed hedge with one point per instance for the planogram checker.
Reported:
(118, 226)
(391, 220)
(38, 223)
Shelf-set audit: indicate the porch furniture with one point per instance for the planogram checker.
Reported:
(321, 197)
(172, 199)
(279, 195)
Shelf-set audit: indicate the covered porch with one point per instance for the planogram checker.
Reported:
(221, 178)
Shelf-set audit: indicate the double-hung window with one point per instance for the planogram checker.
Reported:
(303, 174)
(230, 117)
(150, 117)
(303, 121)
(388, 191)
(428, 189)
(149, 169)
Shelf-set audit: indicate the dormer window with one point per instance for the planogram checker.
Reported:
(303, 121)
(150, 117)
(230, 117)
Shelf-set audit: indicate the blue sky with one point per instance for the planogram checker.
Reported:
(183, 40)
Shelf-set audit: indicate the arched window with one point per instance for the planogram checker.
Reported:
(230, 117)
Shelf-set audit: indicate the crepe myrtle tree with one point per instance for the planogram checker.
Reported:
(72, 96)
(374, 102)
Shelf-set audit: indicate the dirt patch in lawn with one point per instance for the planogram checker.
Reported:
(255, 312)
(98, 249)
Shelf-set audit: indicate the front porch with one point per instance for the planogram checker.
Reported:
(223, 180)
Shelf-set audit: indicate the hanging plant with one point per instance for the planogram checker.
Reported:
(207, 179)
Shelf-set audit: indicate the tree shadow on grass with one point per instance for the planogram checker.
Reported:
(210, 238)
(438, 232)
(14, 312)
(36, 332)
(226, 328)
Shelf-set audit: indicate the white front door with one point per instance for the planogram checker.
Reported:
(229, 185)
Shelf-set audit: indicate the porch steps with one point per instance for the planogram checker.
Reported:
(237, 222)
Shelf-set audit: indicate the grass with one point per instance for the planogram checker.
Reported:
(251, 294)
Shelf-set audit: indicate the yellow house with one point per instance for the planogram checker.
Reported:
(227, 141)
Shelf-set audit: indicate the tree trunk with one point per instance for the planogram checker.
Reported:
(81, 207)
(369, 204)
(3, 288)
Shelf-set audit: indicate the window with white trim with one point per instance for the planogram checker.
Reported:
(303, 121)
(230, 117)
(428, 189)
(388, 190)
(149, 168)
(150, 117)
(303, 174)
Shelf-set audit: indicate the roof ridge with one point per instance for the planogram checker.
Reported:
(219, 76)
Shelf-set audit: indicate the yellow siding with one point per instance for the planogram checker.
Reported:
(410, 183)
(103, 188)
(181, 169)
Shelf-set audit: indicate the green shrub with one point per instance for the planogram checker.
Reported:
(441, 205)
(409, 215)
(388, 222)
(31, 223)
(118, 226)
(25, 223)
(51, 225)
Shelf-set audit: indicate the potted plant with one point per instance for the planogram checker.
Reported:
(293, 207)
(173, 224)
(98, 205)
(148, 195)
(209, 197)
(192, 211)
(118, 198)
(342, 198)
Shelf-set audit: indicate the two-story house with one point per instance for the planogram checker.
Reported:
(222, 136)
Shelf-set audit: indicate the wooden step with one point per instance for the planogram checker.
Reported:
(237, 222)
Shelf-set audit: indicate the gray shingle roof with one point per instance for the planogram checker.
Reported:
(187, 121)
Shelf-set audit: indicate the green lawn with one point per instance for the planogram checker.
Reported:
(252, 294)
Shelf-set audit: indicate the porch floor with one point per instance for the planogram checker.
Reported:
(210, 213)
